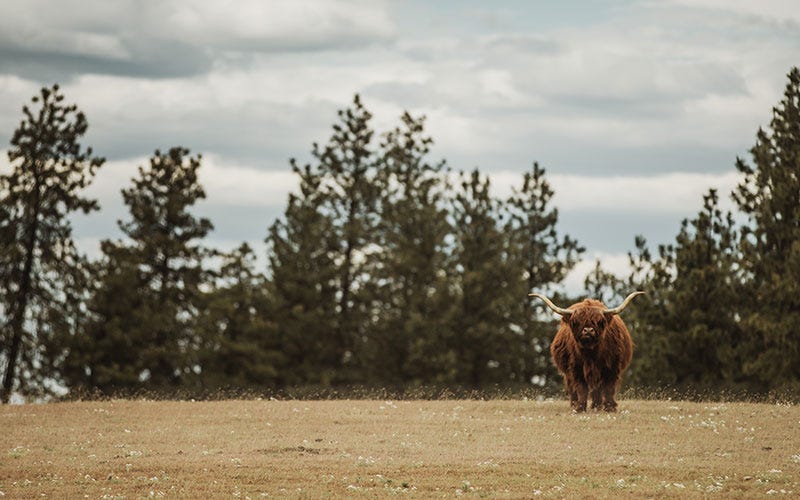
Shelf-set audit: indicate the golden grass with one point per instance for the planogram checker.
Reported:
(423, 449)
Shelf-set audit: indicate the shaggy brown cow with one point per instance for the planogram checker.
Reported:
(591, 350)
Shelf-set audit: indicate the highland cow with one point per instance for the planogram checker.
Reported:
(591, 350)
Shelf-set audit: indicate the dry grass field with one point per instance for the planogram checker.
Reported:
(423, 449)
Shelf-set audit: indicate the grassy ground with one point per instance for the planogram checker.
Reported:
(424, 449)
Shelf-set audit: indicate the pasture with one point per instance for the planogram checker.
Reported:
(422, 449)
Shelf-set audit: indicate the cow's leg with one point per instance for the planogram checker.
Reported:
(597, 397)
(573, 399)
(609, 389)
(571, 392)
(583, 393)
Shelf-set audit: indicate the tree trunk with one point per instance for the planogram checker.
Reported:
(18, 320)
(13, 351)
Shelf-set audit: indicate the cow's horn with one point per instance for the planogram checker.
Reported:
(624, 304)
(555, 308)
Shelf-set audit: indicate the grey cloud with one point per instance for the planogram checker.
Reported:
(565, 95)
(607, 231)
(412, 95)
(162, 61)
(645, 90)
(526, 43)
(259, 135)
(652, 106)
(513, 136)
(240, 223)
(487, 50)
(592, 158)
(564, 156)
(46, 41)
(231, 223)
(613, 232)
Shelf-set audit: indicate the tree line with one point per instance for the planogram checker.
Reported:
(386, 269)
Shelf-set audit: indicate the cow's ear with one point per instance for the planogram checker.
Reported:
(608, 317)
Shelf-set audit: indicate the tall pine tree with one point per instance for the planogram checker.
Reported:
(42, 275)
(769, 196)
(412, 263)
(702, 301)
(686, 331)
(142, 331)
(303, 278)
(340, 193)
(481, 324)
(239, 344)
(543, 258)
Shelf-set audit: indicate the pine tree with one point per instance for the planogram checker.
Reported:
(481, 331)
(603, 285)
(303, 246)
(142, 331)
(543, 259)
(546, 257)
(42, 275)
(104, 356)
(686, 331)
(769, 196)
(702, 301)
(412, 269)
(341, 191)
(239, 346)
(647, 322)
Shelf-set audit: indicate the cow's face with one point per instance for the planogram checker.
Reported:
(588, 324)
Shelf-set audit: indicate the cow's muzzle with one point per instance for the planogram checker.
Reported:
(587, 337)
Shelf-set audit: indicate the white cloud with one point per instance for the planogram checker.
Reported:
(671, 193)
(258, 24)
(615, 263)
(780, 10)
(111, 29)
(667, 193)
(242, 185)
(178, 38)
(225, 183)
(634, 109)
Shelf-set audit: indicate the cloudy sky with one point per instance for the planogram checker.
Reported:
(634, 108)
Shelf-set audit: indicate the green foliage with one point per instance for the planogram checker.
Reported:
(723, 301)
(42, 275)
(481, 325)
(686, 329)
(238, 338)
(379, 272)
(769, 196)
(142, 329)
(539, 259)
(303, 279)
(545, 257)
(330, 229)
(412, 266)
(379, 277)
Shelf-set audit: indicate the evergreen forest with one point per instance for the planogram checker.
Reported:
(386, 270)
